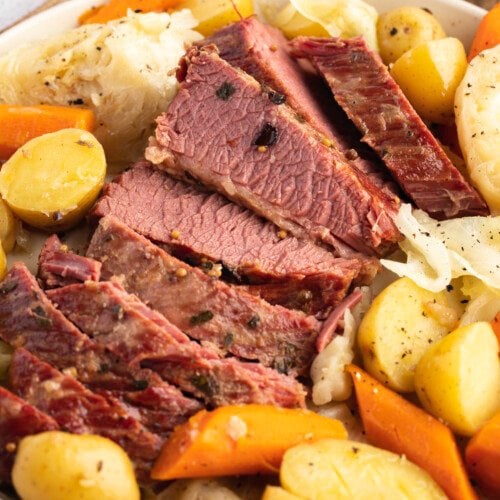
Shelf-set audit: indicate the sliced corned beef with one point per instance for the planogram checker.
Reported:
(105, 311)
(197, 224)
(80, 411)
(363, 87)
(28, 319)
(58, 267)
(223, 130)
(17, 420)
(203, 307)
(263, 52)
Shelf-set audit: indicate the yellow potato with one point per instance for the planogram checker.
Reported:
(3, 263)
(5, 357)
(402, 29)
(458, 379)
(400, 326)
(277, 493)
(8, 227)
(429, 76)
(60, 466)
(335, 469)
(54, 179)
(214, 14)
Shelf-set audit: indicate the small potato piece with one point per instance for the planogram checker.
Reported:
(429, 76)
(59, 466)
(401, 324)
(214, 14)
(54, 179)
(402, 29)
(277, 493)
(458, 379)
(5, 357)
(3, 263)
(334, 469)
(8, 227)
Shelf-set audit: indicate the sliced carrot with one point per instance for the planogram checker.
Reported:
(236, 440)
(488, 32)
(118, 8)
(482, 456)
(19, 124)
(393, 423)
(496, 326)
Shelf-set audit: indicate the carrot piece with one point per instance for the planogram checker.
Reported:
(240, 439)
(118, 8)
(393, 423)
(487, 34)
(482, 456)
(496, 326)
(19, 124)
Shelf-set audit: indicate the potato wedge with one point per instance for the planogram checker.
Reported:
(429, 76)
(335, 469)
(8, 227)
(63, 466)
(401, 324)
(54, 179)
(458, 379)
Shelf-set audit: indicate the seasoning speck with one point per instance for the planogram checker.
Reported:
(225, 91)
(10, 447)
(175, 234)
(181, 272)
(267, 136)
(262, 149)
(282, 234)
(200, 318)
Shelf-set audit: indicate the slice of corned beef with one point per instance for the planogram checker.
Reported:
(362, 85)
(58, 267)
(223, 130)
(28, 319)
(195, 369)
(204, 308)
(17, 420)
(263, 52)
(80, 411)
(196, 225)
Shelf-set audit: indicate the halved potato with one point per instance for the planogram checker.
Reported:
(8, 227)
(277, 493)
(54, 179)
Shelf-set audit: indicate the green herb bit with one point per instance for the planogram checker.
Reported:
(202, 317)
(225, 91)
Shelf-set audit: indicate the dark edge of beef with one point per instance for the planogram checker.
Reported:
(17, 420)
(294, 179)
(364, 88)
(204, 308)
(28, 319)
(80, 411)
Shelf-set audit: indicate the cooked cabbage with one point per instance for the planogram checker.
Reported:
(484, 301)
(439, 251)
(122, 70)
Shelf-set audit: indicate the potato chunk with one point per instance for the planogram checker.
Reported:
(54, 179)
(402, 29)
(458, 379)
(401, 324)
(335, 469)
(60, 466)
(8, 227)
(429, 76)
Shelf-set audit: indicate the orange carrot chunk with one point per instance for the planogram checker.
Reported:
(482, 457)
(118, 8)
(393, 423)
(488, 32)
(19, 124)
(496, 326)
(236, 440)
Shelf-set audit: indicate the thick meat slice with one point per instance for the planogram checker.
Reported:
(58, 267)
(203, 307)
(223, 130)
(78, 410)
(371, 98)
(263, 52)
(17, 420)
(206, 225)
(28, 319)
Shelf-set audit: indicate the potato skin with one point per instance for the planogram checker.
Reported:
(402, 29)
(60, 466)
(458, 379)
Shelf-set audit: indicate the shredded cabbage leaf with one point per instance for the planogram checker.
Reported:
(484, 301)
(438, 251)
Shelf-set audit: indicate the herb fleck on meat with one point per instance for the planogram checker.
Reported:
(225, 91)
(268, 136)
(202, 317)
(253, 322)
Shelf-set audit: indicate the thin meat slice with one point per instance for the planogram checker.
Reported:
(59, 267)
(140, 341)
(17, 420)
(223, 130)
(28, 319)
(80, 411)
(204, 308)
(262, 51)
(199, 225)
(363, 87)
